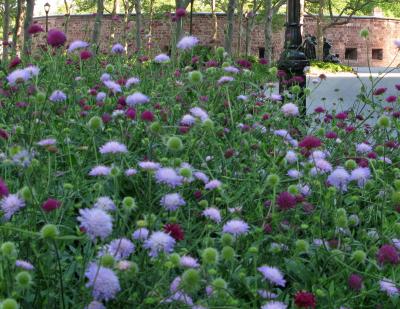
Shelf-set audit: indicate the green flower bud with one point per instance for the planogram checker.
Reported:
(141, 223)
(209, 256)
(338, 254)
(175, 259)
(228, 253)
(211, 70)
(195, 76)
(19, 130)
(292, 189)
(107, 260)
(320, 293)
(383, 122)
(8, 249)
(186, 172)
(174, 144)
(225, 64)
(208, 124)
(359, 256)
(49, 231)
(115, 171)
(296, 89)
(302, 246)
(341, 221)
(227, 239)
(397, 184)
(203, 203)
(68, 186)
(397, 228)
(350, 164)
(396, 197)
(307, 91)
(273, 180)
(354, 220)
(155, 127)
(23, 279)
(321, 132)
(219, 284)
(212, 272)
(129, 203)
(26, 194)
(190, 280)
(9, 303)
(380, 150)
(109, 68)
(253, 250)
(40, 97)
(95, 123)
(220, 51)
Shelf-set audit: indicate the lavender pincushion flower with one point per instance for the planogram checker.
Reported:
(149, 165)
(290, 109)
(213, 214)
(339, 178)
(213, 184)
(105, 77)
(172, 201)
(24, 265)
(389, 287)
(201, 176)
(199, 112)
(95, 305)
(132, 81)
(231, 69)
(137, 98)
(189, 262)
(47, 142)
(113, 147)
(291, 157)
(117, 49)
(100, 170)
(78, 44)
(19, 75)
(187, 42)
(10, 204)
(104, 203)
(120, 248)
(363, 148)
(224, 80)
(361, 175)
(101, 96)
(159, 242)
(161, 58)
(273, 275)
(95, 222)
(236, 227)
(168, 176)
(188, 120)
(112, 86)
(103, 281)
(274, 305)
(141, 234)
(58, 96)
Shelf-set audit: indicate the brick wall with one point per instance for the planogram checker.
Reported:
(380, 45)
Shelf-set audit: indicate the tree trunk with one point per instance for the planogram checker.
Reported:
(6, 24)
(302, 8)
(138, 18)
(268, 30)
(151, 13)
(215, 22)
(97, 23)
(320, 31)
(191, 18)
(113, 15)
(249, 27)
(30, 4)
(67, 16)
(229, 26)
(240, 28)
(19, 19)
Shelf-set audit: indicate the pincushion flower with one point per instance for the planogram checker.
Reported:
(56, 38)
(95, 222)
(24, 265)
(58, 96)
(388, 254)
(236, 227)
(132, 81)
(172, 201)
(291, 157)
(104, 203)
(199, 113)
(95, 305)
(168, 176)
(3, 189)
(225, 79)
(389, 287)
(137, 98)
(18, 76)
(290, 109)
(78, 44)
(286, 200)
(273, 275)
(310, 142)
(105, 77)
(149, 165)
(161, 58)
(100, 170)
(159, 242)
(213, 214)
(175, 230)
(187, 42)
(141, 234)
(113, 147)
(363, 148)
(103, 281)
(213, 184)
(339, 178)
(189, 262)
(120, 248)
(231, 69)
(274, 305)
(47, 142)
(188, 120)
(11, 204)
(201, 176)
(35, 28)
(51, 204)
(305, 299)
(361, 175)
(117, 49)
(113, 86)
(101, 96)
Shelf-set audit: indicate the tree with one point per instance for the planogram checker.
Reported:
(271, 8)
(97, 23)
(6, 25)
(138, 11)
(19, 20)
(30, 5)
(229, 26)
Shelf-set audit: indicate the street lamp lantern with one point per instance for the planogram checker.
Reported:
(47, 10)
(293, 60)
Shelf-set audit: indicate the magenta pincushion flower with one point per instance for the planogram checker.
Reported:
(113, 147)
(286, 200)
(35, 28)
(120, 248)
(137, 98)
(187, 42)
(236, 227)
(168, 176)
(159, 242)
(103, 281)
(95, 222)
(56, 38)
(273, 275)
(104, 203)
(388, 254)
(100, 170)
(290, 109)
(172, 201)
(213, 214)
(355, 282)
(10, 204)
(310, 142)
(51, 204)
(3, 188)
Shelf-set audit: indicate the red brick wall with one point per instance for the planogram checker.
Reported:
(382, 34)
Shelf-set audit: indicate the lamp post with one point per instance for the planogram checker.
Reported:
(293, 60)
(46, 10)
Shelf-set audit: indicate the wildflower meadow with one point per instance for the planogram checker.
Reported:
(185, 181)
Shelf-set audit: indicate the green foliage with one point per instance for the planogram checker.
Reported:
(330, 67)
